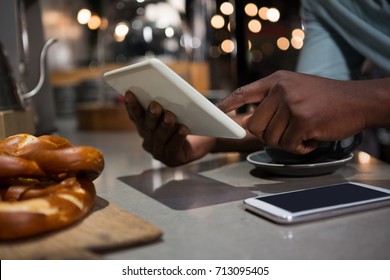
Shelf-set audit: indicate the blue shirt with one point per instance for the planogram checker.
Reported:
(340, 35)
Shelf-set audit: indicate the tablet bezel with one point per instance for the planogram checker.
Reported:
(152, 80)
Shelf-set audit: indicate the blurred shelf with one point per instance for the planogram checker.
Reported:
(196, 73)
(95, 117)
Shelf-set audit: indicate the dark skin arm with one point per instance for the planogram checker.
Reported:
(294, 112)
(297, 110)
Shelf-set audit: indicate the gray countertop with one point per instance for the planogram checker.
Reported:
(199, 207)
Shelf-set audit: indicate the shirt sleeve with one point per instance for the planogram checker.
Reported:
(325, 53)
(340, 35)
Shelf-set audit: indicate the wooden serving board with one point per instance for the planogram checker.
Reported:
(106, 229)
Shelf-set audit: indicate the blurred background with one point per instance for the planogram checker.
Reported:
(216, 46)
(205, 41)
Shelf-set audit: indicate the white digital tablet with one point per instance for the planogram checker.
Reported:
(152, 80)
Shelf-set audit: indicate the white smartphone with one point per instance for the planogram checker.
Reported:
(151, 80)
(319, 202)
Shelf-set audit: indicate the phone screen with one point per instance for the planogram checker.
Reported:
(322, 197)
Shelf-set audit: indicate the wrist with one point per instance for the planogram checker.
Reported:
(377, 105)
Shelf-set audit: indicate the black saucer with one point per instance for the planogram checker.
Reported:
(262, 161)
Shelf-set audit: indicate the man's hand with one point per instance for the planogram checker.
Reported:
(164, 138)
(296, 110)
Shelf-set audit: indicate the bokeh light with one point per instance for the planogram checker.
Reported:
(94, 22)
(227, 46)
(273, 14)
(227, 8)
(297, 43)
(263, 13)
(121, 29)
(254, 26)
(169, 32)
(83, 16)
(283, 43)
(217, 21)
(298, 33)
(251, 9)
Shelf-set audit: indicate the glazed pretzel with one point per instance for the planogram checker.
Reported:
(49, 156)
(45, 184)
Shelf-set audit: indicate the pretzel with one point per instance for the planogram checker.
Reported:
(47, 156)
(46, 183)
